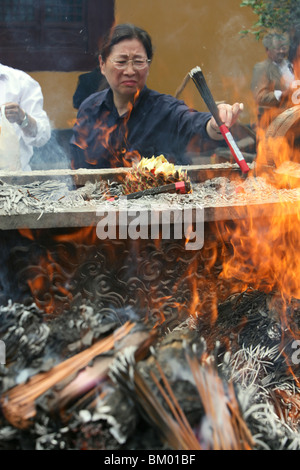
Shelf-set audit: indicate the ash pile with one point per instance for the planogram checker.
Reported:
(111, 380)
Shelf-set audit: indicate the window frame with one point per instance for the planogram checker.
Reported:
(98, 18)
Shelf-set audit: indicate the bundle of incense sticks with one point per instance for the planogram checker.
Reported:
(18, 403)
(198, 78)
(182, 187)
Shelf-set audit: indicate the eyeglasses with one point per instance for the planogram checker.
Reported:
(137, 64)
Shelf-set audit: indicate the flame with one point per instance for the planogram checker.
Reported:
(27, 233)
(71, 122)
(260, 248)
(82, 235)
(49, 282)
(266, 243)
(46, 287)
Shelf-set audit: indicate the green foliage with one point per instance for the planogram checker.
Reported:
(279, 15)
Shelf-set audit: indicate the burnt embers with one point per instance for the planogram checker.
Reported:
(109, 402)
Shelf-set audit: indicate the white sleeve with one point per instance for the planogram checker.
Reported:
(32, 103)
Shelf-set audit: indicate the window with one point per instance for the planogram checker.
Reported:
(61, 35)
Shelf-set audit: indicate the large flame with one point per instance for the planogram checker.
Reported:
(266, 243)
(260, 247)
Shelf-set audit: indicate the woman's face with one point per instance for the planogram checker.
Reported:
(126, 82)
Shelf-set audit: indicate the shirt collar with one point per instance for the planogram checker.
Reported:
(109, 102)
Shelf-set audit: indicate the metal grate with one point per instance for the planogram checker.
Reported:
(17, 11)
(73, 27)
(66, 11)
(52, 11)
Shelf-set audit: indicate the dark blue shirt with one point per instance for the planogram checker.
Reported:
(157, 124)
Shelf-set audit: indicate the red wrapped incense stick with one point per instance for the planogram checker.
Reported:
(182, 187)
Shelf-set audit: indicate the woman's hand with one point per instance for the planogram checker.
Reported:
(228, 115)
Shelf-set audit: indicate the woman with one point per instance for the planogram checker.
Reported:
(128, 120)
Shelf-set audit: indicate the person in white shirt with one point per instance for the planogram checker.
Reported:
(23, 100)
(272, 79)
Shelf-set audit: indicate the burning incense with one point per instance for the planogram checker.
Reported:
(182, 187)
(197, 76)
(182, 86)
(169, 418)
(18, 404)
(228, 428)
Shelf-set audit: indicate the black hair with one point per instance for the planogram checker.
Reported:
(126, 31)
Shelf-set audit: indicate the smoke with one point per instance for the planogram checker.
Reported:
(235, 57)
(55, 154)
